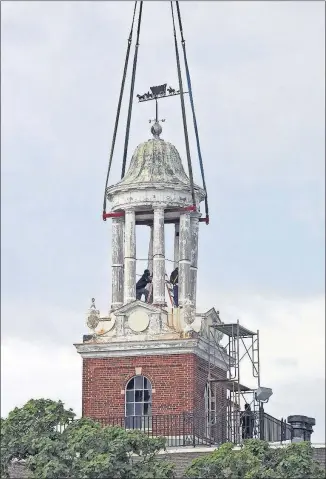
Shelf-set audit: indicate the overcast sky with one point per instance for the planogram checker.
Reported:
(258, 73)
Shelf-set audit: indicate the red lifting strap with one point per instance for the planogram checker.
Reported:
(112, 215)
(119, 214)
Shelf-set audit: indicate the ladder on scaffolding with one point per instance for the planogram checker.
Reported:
(169, 288)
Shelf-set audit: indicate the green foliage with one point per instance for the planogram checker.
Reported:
(257, 460)
(88, 450)
(84, 449)
(3, 462)
(37, 418)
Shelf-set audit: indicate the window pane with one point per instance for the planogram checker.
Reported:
(130, 409)
(129, 422)
(133, 422)
(137, 422)
(147, 396)
(138, 396)
(130, 396)
(139, 383)
(139, 409)
(130, 385)
(147, 384)
(147, 409)
(147, 422)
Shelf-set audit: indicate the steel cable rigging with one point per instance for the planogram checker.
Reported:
(125, 152)
(132, 86)
(183, 110)
(183, 43)
(119, 108)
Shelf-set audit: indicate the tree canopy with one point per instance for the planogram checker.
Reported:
(83, 449)
(258, 460)
(38, 418)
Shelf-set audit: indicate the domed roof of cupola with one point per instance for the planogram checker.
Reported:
(155, 176)
(155, 161)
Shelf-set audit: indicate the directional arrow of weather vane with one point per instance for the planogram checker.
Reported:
(157, 93)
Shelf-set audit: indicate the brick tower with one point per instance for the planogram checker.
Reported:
(150, 364)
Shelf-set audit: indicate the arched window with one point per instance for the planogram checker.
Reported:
(138, 403)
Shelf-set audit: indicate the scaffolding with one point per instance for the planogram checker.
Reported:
(239, 344)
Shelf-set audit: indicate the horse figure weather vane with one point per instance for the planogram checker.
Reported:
(156, 93)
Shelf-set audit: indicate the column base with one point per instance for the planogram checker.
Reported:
(160, 305)
(115, 306)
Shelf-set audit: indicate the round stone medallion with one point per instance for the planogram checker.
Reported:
(138, 321)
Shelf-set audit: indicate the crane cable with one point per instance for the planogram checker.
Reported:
(182, 106)
(131, 94)
(183, 43)
(119, 109)
(183, 112)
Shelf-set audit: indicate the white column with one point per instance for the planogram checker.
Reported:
(184, 260)
(194, 227)
(117, 262)
(150, 265)
(176, 245)
(158, 258)
(130, 257)
(150, 252)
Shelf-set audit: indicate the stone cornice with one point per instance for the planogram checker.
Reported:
(125, 309)
(162, 347)
(152, 195)
(116, 189)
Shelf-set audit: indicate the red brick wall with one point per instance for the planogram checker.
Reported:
(201, 375)
(178, 380)
(218, 431)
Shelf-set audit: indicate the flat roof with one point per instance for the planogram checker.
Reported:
(232, 329)
(232, 385)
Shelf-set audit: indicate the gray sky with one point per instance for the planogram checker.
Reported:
(258, 73)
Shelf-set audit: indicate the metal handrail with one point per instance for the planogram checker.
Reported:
(194, 429)
(275, 430)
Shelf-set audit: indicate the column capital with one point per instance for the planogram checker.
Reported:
(185, 213)
(160, 207)
(118, 219)
(195, 215)
(129, 209)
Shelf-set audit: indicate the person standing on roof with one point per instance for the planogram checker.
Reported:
(247, 422)
(141, 285)
(174, 280)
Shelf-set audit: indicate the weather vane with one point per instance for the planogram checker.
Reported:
(157, 93)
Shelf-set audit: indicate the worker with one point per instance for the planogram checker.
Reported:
(141, 285)
(174, 280)
(247, 422)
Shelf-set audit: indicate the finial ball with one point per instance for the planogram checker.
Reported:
(156, 130)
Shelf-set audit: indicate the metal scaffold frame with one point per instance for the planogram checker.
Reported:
(241, 343)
